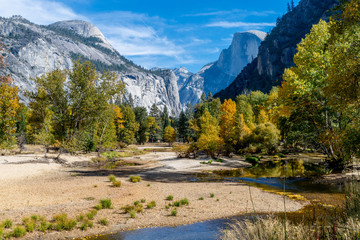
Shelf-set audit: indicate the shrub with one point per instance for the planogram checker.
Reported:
(212, 195)
(253, 160)
(167, 206)
(184, 201)
(103, 222)
(170, 197)
(143, 200)
(62, 222)
(219, 160)
(174, 212)
(139, 208)
(116, 183)
(176, 204)
(132, 214)
(18, 231)
(112, 178)
(7, 223)
(98, 207)
(44, 225)
(135, 179)
(105, 203)
(201, 198)
(30, 224)
(80, 218)
(151, 204)
(136, 203)
(90, 215)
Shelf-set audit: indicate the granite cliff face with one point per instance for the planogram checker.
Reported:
(34, 50)
(216, 76)
(276, 52)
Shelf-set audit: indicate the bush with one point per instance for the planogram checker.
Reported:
(98, 207)
(7, 223)
(253, 160)
(151, 204)
(184, 201)
(132, 214)
(116, 183)
(174, 212)
(112, 178)
(103, 222)
(90, 215)
(212, 195)
(105, 203)
(18, 231)
(135, 179)
(62, 222)
(44, 225)
(201, 198)
(170, 197)
(128, 208)
(176, 204)
(143, 200)
(136, 203)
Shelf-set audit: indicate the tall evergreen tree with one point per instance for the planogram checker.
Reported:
(182, 126)
(141, 117)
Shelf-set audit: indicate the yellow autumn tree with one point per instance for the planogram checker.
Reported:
(169, 135)
(9, 105)
(209, 141)
(227, 124)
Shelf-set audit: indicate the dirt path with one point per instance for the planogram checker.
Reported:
(31, 185)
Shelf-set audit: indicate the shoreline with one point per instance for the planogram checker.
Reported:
(49, 188)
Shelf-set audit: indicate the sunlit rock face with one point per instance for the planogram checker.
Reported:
(216, 76)
(34, 50)
(277, 51)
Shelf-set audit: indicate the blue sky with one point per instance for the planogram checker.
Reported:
(159, 33)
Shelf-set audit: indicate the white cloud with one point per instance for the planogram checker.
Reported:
(226, 24)
(38, 11)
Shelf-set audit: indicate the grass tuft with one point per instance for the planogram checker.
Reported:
(170, 197)
(106, 203)
(103, 222)
(151, 204)
(19, 231)
(174, 212)
(135, 179)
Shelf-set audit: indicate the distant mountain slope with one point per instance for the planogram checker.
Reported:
(218, 75)
(34, 50)
(278, 49)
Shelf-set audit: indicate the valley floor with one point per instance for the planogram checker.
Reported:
(31, 184)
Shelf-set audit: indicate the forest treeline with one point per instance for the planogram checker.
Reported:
(316, 107)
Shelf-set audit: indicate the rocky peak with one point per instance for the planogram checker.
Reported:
(218, 75)
(82, 28)
(276, 52)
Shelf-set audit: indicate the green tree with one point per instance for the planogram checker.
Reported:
(141, 117)
(183, 127)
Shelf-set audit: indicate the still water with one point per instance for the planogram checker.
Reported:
(269, 175)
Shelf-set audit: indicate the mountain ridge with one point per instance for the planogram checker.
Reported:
(35, 49)
(276, 52)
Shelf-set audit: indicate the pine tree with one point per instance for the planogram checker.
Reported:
(203, 98)
(182, 126)
(141, 117)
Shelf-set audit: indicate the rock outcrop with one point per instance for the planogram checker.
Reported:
(216, 76)
(34, 50)
(276, 52)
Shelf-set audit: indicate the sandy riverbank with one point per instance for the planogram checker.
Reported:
(31, 185)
